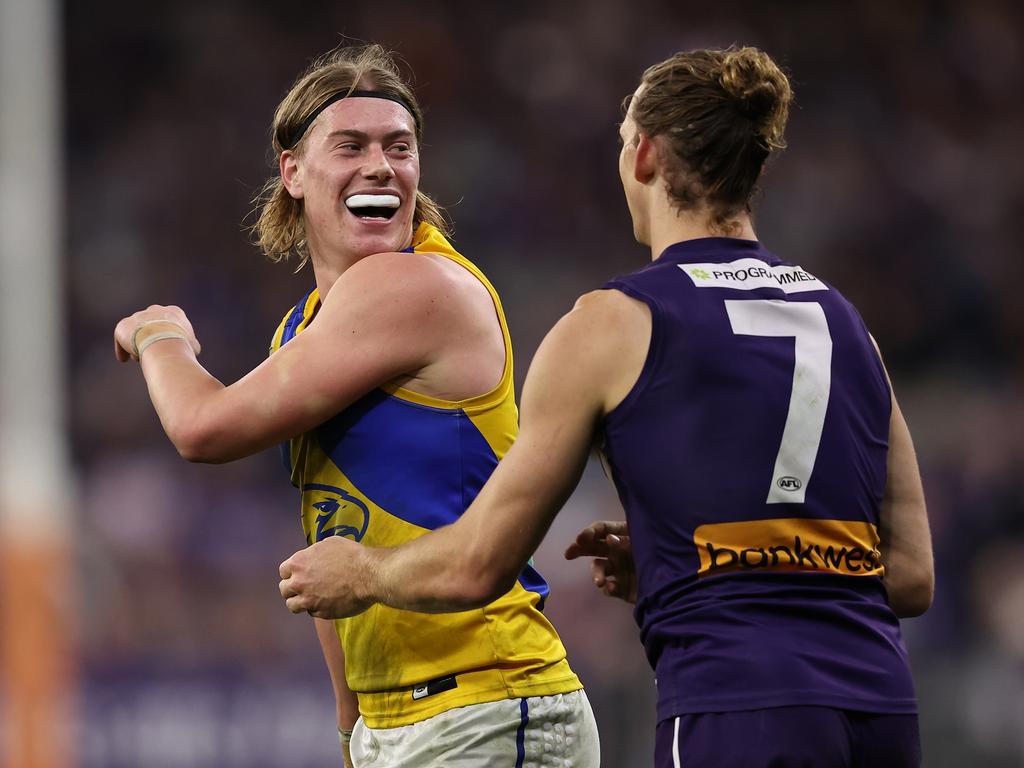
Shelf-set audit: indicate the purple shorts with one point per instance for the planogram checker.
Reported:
(788, 737)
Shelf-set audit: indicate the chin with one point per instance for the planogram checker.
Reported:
(371, 245)
(382, 241)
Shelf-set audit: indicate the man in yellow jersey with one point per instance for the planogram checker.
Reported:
(392, 383)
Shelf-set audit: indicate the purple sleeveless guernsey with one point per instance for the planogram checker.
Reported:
(750, 458)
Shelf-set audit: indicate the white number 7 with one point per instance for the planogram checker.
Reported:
(812, 379)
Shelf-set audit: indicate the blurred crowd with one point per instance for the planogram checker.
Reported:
(901, 185)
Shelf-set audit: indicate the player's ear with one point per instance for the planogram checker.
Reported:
(291, 173)
(645, 162)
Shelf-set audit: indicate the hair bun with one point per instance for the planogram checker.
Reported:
(760, 91)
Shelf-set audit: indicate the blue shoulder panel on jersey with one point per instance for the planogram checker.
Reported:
(287, 335)
(294, 319)
(423, 465)
(532, 581)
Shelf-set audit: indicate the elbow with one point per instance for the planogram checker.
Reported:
(912, 595)
(495, 585)
(195, 455)
(190, 450)
(452, 569)
(478, 585)
(195, 442)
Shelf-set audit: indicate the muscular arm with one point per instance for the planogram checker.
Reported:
(584, 367)
(906, 540)
(384, 317)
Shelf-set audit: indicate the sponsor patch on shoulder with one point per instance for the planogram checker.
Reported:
(750, 274)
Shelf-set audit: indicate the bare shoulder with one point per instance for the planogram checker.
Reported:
(393, 286)
(604, 324)
(603, 340)
(608, 306)
(388, 272)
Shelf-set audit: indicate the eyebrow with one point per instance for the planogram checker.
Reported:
(363, 136)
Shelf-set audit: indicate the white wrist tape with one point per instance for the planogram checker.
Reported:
(153, 331)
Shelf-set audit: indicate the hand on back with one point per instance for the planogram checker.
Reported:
(613, 569)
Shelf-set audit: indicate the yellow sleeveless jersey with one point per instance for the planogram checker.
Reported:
(389, 468)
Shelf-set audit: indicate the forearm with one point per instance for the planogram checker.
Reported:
(477, 559)
(182, 392)
(909, 570)
(433, 574)
(346, 701)
(906, 539)
(441, 572)
(909, 600)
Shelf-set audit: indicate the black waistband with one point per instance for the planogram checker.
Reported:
(434, 687)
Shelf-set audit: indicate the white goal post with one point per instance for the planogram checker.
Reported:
(36, 657)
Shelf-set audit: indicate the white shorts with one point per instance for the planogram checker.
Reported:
(540, 732)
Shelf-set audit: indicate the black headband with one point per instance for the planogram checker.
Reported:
(290, 144)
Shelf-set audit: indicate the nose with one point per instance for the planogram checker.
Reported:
(377, 166)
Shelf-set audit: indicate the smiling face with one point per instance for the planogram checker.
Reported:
(357, 172)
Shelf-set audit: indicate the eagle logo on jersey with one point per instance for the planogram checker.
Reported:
(341, 508)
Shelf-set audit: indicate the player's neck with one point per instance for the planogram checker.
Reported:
(670, 225)
(325, 278)
(328, 261)
(329, 266)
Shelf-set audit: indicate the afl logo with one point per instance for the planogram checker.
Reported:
(339, 512)
(788, 483)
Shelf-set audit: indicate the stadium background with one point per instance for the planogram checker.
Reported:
(903, 186)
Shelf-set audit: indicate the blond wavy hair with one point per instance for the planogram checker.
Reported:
(722, 112)
(280, 230)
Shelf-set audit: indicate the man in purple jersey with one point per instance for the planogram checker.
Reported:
(774, 505)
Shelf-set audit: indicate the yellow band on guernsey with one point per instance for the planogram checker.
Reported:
(789, 544)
